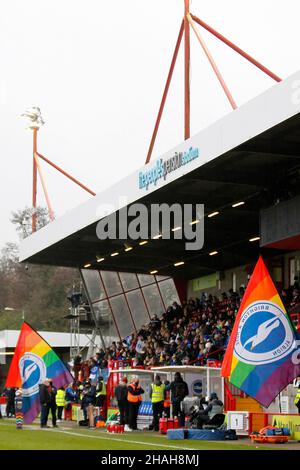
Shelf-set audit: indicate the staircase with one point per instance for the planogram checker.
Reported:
(236, 400)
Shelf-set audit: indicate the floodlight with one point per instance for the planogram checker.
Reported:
(34, 116)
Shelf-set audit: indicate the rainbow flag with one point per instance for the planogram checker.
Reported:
(34, 361)
(263, 354)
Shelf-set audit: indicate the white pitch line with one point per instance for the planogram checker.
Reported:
(104, 438)
(122, 440)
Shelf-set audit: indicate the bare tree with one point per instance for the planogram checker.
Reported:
(9, 257)
(22, 220)
(40, 291)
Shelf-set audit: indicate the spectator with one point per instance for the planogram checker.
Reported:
(155, 323)
(121, 396)
(52, 405)
(215, 407)
(179, 390)
(296, 283)
(295, 298)
(134, 398)
(71, 396)
(88, 402)
(9, 393)
(177, 309)
(167, 400)
(100, 392)
(44, 397)
(77, 366)
(157, 395)
(86, 368)
(297, 398)
(60, 403)
(140, 345)
(45, 401)
(94, 371)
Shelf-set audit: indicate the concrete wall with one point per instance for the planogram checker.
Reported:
(296, 255)
(241, 274)
(224, 284)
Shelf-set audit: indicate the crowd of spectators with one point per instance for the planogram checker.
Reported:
(193, 333)
(291, 296)
(189, 334)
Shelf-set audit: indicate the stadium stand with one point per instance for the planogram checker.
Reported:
(194, 333)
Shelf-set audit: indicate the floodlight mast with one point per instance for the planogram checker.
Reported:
(34, 181)
(187, 59)
(188, 21)
(36, 121)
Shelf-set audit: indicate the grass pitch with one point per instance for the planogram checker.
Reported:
(74, 438)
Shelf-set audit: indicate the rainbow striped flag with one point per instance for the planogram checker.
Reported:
(34, 361)
(263, 354)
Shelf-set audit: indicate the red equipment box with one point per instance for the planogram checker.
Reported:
(115, 428)
(167, 423)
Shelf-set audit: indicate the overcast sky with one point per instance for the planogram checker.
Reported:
(97, 70)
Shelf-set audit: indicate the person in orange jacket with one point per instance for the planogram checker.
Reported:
(134, 398)
(167, 400)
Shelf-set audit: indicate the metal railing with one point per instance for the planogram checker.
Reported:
(230, 400)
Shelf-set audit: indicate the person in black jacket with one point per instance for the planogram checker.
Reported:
(53, 391)
(47, 393)
(45, 399)
(215, 407)
(121, 396)
(179, 390)
(10, 404)
(88, 402)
